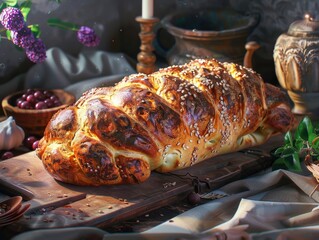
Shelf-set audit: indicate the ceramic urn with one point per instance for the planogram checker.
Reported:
(296, 57)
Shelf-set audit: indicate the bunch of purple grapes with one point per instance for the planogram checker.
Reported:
(38, 99)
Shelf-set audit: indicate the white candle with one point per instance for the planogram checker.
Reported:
(147, 8)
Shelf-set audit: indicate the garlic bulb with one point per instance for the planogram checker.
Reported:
(11, 135)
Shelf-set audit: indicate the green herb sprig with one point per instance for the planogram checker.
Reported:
(303, 143)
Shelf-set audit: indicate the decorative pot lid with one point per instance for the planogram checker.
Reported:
(307, 27)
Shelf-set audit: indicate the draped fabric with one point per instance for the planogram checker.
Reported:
(75, 74)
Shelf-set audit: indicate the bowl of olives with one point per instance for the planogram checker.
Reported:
(32, 109)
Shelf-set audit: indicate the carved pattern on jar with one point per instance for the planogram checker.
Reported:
(297, 63)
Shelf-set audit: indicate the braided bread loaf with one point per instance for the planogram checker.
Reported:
(168, 120)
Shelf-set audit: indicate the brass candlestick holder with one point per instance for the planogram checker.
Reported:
(146, 58)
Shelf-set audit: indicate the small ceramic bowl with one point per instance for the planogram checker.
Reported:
(34, 121)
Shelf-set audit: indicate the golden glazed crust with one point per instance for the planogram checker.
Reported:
(168, 120)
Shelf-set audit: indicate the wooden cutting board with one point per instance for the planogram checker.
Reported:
(55, 204)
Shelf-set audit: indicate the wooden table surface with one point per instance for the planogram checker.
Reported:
(123, 208)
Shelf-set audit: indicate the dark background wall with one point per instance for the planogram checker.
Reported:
(114, 21)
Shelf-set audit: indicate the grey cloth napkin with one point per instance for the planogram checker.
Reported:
(274, 205)
(75, 74)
